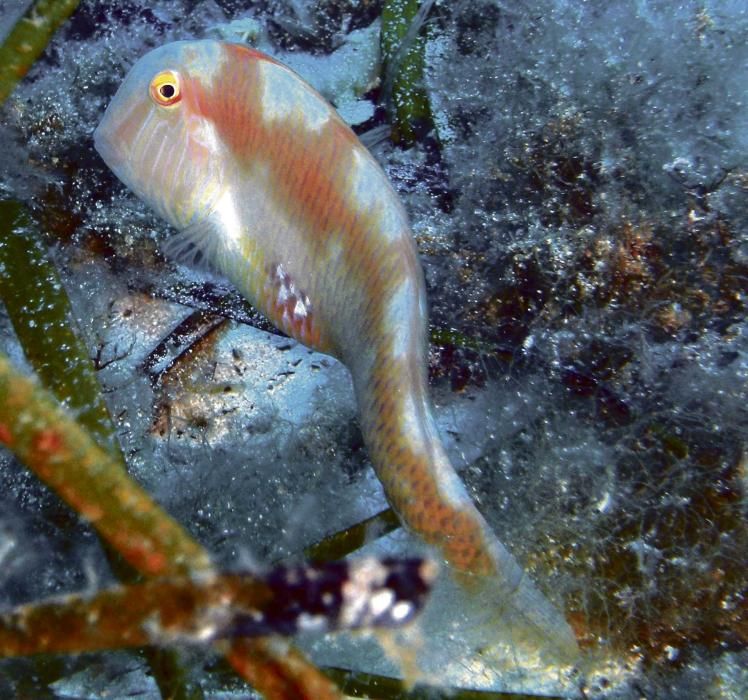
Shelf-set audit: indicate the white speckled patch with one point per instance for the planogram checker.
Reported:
(399, 314)
(203, 58)
(369, 193)
(285, 95)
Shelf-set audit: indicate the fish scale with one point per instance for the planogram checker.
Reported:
(299, 189)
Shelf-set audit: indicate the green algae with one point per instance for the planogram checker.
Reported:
(28, 39)
(42, 317)
(365, 685)
(403, 55)
(342, 543)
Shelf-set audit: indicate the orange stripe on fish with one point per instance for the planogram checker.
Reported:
(277, 192)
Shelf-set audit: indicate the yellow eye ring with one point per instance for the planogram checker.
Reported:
(165, 89)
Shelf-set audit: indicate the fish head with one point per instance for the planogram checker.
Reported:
(157, 134)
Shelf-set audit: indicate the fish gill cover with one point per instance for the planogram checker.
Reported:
(580, 211)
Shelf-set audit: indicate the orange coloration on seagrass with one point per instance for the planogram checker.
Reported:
(47, 442)
(6, 437)
(139, 554)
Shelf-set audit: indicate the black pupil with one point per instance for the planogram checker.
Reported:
(167, 91)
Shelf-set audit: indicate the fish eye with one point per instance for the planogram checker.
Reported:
(165, 89)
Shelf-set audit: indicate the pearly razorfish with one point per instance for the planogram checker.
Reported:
(263, 179)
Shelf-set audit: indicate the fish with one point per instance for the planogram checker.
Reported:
(264, 182)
